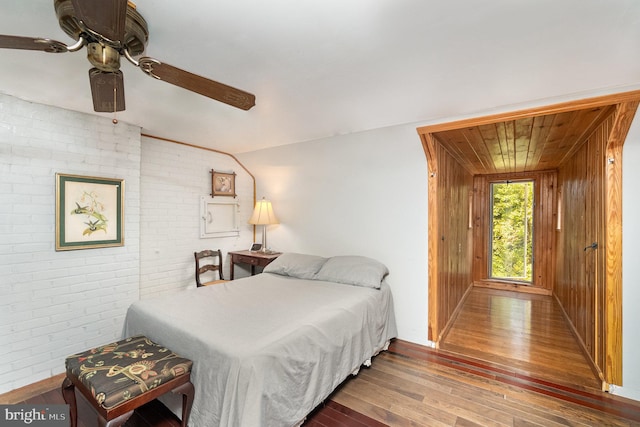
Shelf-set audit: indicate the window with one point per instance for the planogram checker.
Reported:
(511, 231)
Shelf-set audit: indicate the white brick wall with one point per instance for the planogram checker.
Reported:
(174, 177)
(53, 304)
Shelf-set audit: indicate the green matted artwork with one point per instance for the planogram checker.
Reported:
(89, 212)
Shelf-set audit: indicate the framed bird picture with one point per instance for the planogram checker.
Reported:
(223, 184)
(89, 212)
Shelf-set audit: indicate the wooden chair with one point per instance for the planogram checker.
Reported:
(208, 261)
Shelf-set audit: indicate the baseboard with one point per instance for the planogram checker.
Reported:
(511, 286)
(453, 317)
(594, 367)
(625, 392)
(24, 393)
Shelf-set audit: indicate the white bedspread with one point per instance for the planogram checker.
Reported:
(267, 349)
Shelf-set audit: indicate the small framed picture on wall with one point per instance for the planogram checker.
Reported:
(223, 184)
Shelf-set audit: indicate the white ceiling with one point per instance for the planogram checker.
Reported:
(327, 67)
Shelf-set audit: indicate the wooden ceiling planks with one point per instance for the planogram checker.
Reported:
(524, 144)
(539, 135)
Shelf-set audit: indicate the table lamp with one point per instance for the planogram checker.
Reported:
(263, 215)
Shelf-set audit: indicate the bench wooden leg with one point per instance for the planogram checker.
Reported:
(187, 391)
(69, 395)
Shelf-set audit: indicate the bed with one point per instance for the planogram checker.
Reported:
(268, 349)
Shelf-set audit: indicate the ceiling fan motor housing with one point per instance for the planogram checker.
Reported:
(136, 34)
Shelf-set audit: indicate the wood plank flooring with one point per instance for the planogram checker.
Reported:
(509, 359)
(524, 332)
(412, 385)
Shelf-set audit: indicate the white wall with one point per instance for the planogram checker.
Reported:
(630, 265)
(54, 304)
(174, 177)
(363, 194)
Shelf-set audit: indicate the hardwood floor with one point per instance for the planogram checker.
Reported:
(490, 385)
(412, 385)
(509, 359)
(524, 332)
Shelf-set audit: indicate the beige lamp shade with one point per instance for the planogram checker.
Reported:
(263, 214)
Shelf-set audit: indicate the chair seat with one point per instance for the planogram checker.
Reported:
(214, 282)
(123, 370)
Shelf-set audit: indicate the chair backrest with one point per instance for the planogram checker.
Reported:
(208, 260)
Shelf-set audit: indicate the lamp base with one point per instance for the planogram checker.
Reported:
(264, 250)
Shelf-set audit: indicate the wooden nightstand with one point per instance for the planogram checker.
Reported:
(252, 258)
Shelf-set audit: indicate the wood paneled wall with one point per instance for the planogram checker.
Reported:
(450, 236)
(544, 229)
(589, 264)
(580, 280)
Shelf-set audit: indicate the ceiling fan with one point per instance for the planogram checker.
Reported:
(111, 29)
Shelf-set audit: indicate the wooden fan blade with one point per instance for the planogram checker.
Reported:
(107, 90)
(32, 43)
(105, 17)
(209, 88)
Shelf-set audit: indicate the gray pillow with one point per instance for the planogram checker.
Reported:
(296, 265)
(353, 270)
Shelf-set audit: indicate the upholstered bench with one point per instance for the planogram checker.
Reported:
(119, 377)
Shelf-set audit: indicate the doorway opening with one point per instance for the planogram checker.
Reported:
(575, 143)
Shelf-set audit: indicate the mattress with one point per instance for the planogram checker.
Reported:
(267, 349)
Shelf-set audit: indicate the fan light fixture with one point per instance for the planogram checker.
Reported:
(103, 57)
(263, 215)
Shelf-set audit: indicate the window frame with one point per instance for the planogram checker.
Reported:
(490, 240)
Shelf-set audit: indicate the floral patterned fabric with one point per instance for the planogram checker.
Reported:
(125, 369)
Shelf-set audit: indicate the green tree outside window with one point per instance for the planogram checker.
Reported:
(512, 231)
